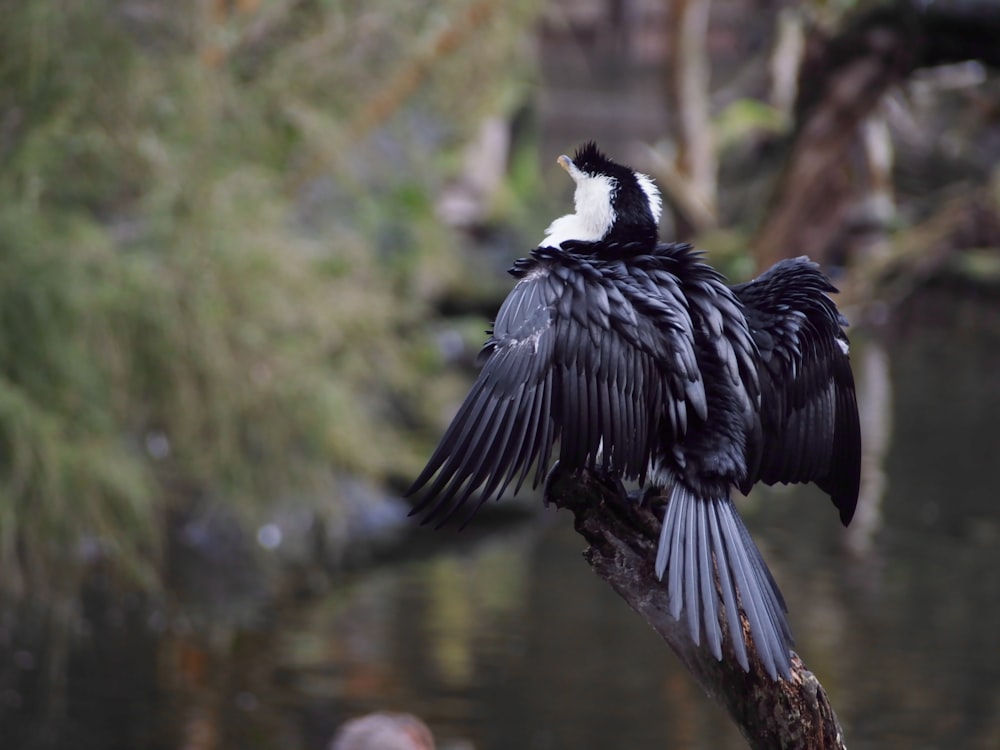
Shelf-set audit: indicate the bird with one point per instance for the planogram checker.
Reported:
(631, 357)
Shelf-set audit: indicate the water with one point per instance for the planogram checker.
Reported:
(509, 641)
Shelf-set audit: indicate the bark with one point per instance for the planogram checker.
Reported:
(622, 538)
(842, 82)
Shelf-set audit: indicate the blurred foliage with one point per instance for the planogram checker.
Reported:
(217, 233)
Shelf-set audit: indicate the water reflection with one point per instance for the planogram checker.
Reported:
(511, 642)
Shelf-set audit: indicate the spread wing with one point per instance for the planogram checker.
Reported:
(808, 412)
(591, 355)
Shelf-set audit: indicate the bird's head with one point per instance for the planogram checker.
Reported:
(613, 202)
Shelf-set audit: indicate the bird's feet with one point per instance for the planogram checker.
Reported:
(648, 496)
(610, 479)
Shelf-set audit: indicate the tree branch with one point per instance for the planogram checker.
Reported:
(842, 82)
(623, 536)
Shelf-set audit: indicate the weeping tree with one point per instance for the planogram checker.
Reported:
(212, 254)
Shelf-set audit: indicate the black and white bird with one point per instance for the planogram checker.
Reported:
(621, 354)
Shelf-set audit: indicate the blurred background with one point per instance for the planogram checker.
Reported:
(248, 251)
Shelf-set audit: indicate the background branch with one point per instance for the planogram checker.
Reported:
(622, 538)
(695, 164)
(841, 84)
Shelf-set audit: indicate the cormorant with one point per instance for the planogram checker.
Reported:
(621, 354)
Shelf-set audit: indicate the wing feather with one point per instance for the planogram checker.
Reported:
(591, 356)
(809, 429)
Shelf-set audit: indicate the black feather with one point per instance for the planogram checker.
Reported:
(808, 412)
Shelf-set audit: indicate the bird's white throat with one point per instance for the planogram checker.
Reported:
(594, 214)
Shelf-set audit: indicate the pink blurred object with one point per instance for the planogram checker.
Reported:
(383, 731)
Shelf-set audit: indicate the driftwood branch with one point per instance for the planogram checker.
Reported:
(622, 538)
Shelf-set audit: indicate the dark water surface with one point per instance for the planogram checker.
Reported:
(511, 642)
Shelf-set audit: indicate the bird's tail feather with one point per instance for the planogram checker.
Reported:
(709, 558)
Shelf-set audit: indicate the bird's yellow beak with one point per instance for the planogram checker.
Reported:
(566, 163)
